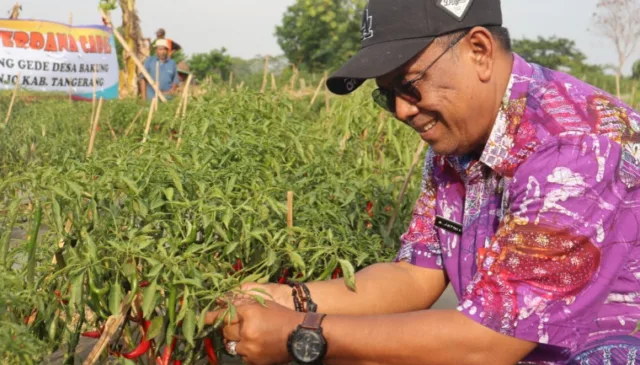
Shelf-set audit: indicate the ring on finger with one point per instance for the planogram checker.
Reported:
(231, 347)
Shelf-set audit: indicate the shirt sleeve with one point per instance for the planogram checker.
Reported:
(553, 259)
(419, 245)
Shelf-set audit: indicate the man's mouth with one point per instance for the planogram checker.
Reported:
(427, 127)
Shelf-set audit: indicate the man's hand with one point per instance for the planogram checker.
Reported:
(260, 331)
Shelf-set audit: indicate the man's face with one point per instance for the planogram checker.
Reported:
(455, 112)
(162, 53)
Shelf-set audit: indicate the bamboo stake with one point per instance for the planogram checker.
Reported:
(113, 133)
(149, 118)
(416, 158)
(94, 129)
(294, 77)
(130, 127)
(137, 61)
(93, 100)
(274, 86)
(111, 327)
(290, 209)
(184, 96)
(13, 99)
(184, 112)
(315, 95)
(327, 107)
(264, 75)
(157, 80)
(230, 79)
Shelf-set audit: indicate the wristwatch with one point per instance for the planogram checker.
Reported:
(307, 344)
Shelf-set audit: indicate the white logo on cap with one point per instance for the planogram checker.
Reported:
(367, 25)
(457, 8)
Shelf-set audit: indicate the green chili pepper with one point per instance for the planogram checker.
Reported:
(94, 289)
(31, 246)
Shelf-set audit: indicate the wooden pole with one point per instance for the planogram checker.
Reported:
(315, 95)
(133, 122)
(290, 209)
(294, 77)
(185, 96)
(264, 75)
(110, 329)
(231, 80)
(94, 129)
(113, 133)
(13, 98)
(274, 86)
(416, 158)
(327, 107)
(157, 80)
(93, 100)
(135, 58)
(149, 118)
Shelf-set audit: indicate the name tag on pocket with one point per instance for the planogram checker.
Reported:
(449, 225)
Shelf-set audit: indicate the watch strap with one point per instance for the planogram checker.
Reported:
(312, 320)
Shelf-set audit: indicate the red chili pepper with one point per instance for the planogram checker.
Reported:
(387, 208)
(238, 265)
(336, 273)
(143, 347)
(300, 275)
(168, 350)
(60, 300)
(144, 284)
(211, 354)
(177, 362)
(92, 334)
(370, 209)
(283, 278)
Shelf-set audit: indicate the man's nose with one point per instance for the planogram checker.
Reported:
(404, 109)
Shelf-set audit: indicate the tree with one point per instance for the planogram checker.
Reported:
(206, 64)
(618, 21)
(635, 76)
(557, 54)
(320, 34)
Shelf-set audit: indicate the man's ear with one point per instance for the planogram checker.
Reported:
(482, 51)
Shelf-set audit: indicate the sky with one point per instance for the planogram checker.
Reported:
(246, 27)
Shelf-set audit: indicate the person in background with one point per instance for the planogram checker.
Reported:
(171, 45)
(168, 72)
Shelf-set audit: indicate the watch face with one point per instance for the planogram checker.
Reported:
(307, 346)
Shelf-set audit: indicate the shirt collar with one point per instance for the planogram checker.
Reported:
(500, 147)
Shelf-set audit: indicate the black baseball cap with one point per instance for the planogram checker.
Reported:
(395, 31)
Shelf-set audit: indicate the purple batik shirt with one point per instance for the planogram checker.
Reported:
(539, 237)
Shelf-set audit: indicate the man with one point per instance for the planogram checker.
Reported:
(171, 45)
(529, 208)
(168, 72)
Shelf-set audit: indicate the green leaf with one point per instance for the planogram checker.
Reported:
(176, 181)
(155, 329)
(75, 187)
(189, 326)
(129, 269)
(227, 217)
(57, 215)
(60, 192)
(271, 257)
(131, 185)
(349, 273)
(155, 271)
(77, 286)
(115, 298)
(149, 299)
(296, 259)
(231, 247)
(169, 193)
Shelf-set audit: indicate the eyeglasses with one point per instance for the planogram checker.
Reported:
(406, 89)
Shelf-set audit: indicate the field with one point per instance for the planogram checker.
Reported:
(159, 229)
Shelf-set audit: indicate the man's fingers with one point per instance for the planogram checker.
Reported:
(231, 333)
(229, 316)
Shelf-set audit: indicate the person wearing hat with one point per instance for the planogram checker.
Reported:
(529, 209)
(171, 45)
(168, 72)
